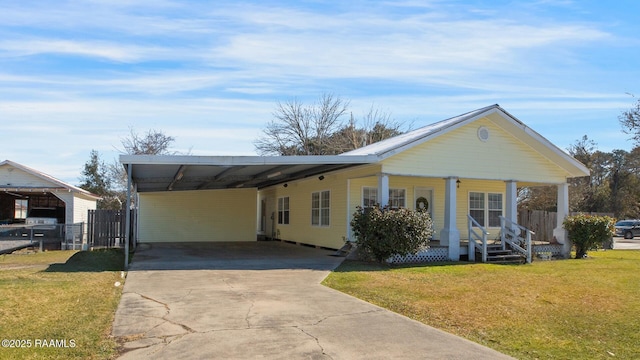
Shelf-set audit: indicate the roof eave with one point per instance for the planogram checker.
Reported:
(450, 127)
(49, 178)
(245, 160)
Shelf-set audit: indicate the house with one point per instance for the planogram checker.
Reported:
(465, 170)
(23, 189)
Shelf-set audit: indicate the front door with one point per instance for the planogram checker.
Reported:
(423, 200)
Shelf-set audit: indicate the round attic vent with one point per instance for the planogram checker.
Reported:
(483, 133)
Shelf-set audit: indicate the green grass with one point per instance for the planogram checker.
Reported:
(60, 295)
(569, 309)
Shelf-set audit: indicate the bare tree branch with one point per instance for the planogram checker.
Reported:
(320, 129)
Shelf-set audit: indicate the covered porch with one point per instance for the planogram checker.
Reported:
(472, 218)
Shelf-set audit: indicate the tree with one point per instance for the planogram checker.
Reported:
(538, 198)
(321, 129)
(298, 129)
(630, 121)
(154, 142)
(95, 179)
(110, 181)
(588, 232)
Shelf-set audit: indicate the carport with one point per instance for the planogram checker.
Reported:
(26, 192)
(211, 198)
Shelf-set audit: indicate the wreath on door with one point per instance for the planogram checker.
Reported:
(422, 204)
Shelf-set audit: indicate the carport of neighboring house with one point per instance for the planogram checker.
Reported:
(23, 189)
(466, 170)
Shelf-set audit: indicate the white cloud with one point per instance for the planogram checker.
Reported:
(210, 73)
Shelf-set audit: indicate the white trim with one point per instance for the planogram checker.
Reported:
(469, 177)
(348, 234)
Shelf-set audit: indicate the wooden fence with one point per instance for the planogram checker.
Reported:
(543, 222)
(540, 222)
(107, 228)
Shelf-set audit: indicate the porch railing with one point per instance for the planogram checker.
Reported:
(517, 236)
(477, 239)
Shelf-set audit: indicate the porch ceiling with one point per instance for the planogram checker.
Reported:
(176, 173)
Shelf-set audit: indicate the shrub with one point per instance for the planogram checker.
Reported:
(587, 232)
(382, 233)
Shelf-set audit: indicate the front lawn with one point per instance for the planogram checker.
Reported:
(569, 309)
(59, 304)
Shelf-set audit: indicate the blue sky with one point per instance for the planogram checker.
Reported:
(77, 75)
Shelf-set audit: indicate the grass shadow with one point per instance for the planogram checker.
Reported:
(92, 261)
(360, 265)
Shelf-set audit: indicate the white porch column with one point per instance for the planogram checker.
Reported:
(383, 190)
(449, 235)
(512, 201)
(559, 233)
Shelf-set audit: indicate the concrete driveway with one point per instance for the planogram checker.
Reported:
(626, 244)
(262, 300)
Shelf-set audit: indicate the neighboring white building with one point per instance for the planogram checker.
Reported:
(23, 189)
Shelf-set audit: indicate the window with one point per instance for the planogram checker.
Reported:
(283, 210)
(476, 207)
(495, 209)
(320, 204)
(396, 198)
(369, 197)
(486, 213)
(20, 209)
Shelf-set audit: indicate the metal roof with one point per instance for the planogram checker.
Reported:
(175, 173)
(411, 138)
(389, 147)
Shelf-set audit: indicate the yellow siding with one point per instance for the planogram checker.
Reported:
(461, 153)
(299, 193)
(299, 228)
(186, 216)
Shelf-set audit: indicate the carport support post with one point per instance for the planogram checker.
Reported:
(127, 232)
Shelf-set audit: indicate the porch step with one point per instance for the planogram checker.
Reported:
(495, 255)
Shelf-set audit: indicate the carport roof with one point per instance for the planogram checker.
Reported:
(170, 172)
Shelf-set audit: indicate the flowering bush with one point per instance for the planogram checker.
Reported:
(587, 232)
(382, 233)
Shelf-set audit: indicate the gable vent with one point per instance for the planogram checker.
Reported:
(483, 133)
